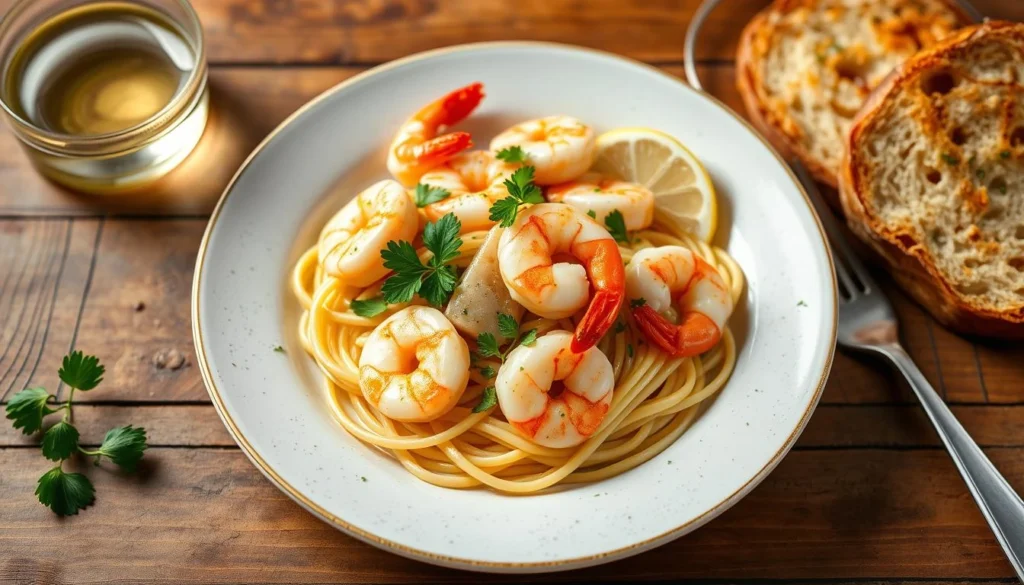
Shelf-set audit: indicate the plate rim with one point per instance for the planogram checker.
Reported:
(468, 563)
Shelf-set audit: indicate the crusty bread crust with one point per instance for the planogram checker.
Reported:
(907, 258)
(777, 122)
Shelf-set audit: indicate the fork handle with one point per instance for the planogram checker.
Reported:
(1001, 506)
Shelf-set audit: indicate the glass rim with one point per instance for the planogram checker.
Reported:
(112, 142)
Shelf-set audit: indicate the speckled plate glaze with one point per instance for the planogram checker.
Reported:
(274, 405)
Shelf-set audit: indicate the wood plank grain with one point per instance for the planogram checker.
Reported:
(44, 271)
(208, 516)
(373, 31)
(833, 426)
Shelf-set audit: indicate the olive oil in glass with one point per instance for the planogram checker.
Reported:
(107, 95)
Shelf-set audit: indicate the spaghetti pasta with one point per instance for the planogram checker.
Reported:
(656, 396)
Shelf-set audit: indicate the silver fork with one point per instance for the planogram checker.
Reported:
(867, 323)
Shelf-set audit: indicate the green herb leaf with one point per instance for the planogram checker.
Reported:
(1004, 154)
(512, 154)
(616, 225)
(442, 239)
(980, 173)
(487, 401)
(801, 304)
(487, 372)
(428, 194)
(60, 441)
(369, 307)
(65, 493)
(529, 338)
(27, 409)
(521, 190)
(592, 214)
(619, 327)
(401, 258)
(438, 285)
(508, 326)
(629, 349)
(81, 372)
(950, 159)
(637, 303)
(124, 446)
(279, 349)
(488, 345)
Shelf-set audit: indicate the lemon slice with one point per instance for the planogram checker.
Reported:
(681, 186)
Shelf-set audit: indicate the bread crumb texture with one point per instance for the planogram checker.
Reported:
(939, 165)
(814, 62)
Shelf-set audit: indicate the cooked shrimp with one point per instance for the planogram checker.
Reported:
(599, 195)
(527, 254)
(414, 366)
(418, 147)
(350, 243)
(673, 275)
(475, 180)
(552, 395)
(559, 148)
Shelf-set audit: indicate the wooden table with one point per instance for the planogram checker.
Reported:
(867, 495)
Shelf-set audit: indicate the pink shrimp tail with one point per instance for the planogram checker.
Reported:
(694, 336)
(453, 107)
(437, 151)
(604, 267)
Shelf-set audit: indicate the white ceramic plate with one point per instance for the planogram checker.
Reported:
(274, 406)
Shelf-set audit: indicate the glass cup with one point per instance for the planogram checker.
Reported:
(115, 161)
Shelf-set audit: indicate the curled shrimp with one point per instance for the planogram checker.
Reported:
(674, 277)
(414, 366)
(552, 395)
(559, 148)
(350, 243)
(600, 195)
(553, 289)
(475, 180)
(419, 145)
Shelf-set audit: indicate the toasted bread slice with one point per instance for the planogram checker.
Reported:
(805, 67)
(934, 178)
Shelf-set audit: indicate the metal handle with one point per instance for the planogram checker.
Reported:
(1001, 506)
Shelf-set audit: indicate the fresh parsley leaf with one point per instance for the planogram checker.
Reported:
(521, 190)
(487, 401)
(637, 303)
(442, 239)
(801, 304)
(529, 338)
(438, 285)
(1004, 154)
(505, 211)
(487, 372)
(488, 345)
(616, 225)
(950, 159)
(512, 154)
(592, 214)
(428, 194)
(401, 258)
(508, 326)
(369, 307)
(27, 409)
(279, 349)
(980, 173)
(81, 372)
(619, 327)
(124, 446)
(629, 349)
(60, 441)
(65, 493)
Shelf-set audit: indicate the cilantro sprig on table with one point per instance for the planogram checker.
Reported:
(521, 190)
(63, 492)
(435, 280)
(488, 346)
